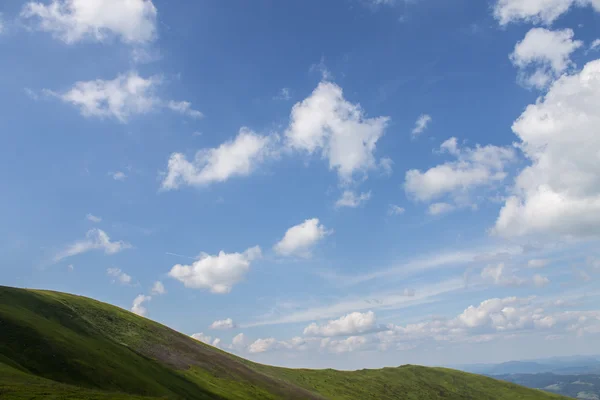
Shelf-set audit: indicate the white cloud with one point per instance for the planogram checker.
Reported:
(95, 239)
(351, 324)
(223, 324)
(284, 94)
(1, 24)
(217, 273)
(435, 261)
(327, 124)
(119, 275)
(201, 337)
(490, 318)
(184, 108)
(440, 208)
(300, 239)
(353, 343)
(262, 345)
(540, 280)
(352, 200)
(239, 342)
(548, 52)
(93, 218)
(126, 95)
(497, 274)
(138, 304)
(537, 263)
(559, 193)
(298, 343)
(386, 165)
(493, 272)
(538, 11)
(474, 167)
(394, 300)
(595, 45)
(380, 2)
(238, 157)
(158, 288)
(496, 313)
(70, 267)
(422, 123)
(119, 176)
(395, 210)
(133, 21)
(121, 98)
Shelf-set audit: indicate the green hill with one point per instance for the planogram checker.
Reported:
(61, 346)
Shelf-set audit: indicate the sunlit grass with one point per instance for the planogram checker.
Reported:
(60, 346)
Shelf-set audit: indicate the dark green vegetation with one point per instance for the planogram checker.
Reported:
(60, 346)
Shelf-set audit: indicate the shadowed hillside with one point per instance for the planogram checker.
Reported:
(61, 346)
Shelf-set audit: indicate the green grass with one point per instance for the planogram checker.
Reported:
(60, 346)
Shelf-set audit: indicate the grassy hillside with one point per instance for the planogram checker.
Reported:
(55, 345)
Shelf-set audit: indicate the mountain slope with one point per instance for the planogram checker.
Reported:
(66, 346)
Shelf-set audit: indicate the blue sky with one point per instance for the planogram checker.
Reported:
(344, 184)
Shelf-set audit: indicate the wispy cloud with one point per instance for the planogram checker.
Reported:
(95, 239)
(422, 123)
(388, 301)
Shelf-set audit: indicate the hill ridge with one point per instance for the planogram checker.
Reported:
(67, 345)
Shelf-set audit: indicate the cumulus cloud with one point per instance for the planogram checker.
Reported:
(300, 239)
(238, 157)
(93, 218)
(184, 108)
(239, 342)
(158, 288)
(201, 337)
(121, 98)
(138, 304)
(223, 324)
(353, 343)
(216, 273)
(509, 314)
(351, 324)
(132, 21)
(543, 55)
(352, 200)
(262, 345)
(119, 276)
(559, 193)
(95, 239)
(422, 123)
(476, 167)
(126, 95)
(538, 11)
(326, 123)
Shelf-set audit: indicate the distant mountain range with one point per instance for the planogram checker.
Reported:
(585, 387)
(574, 365)
(576, 376)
